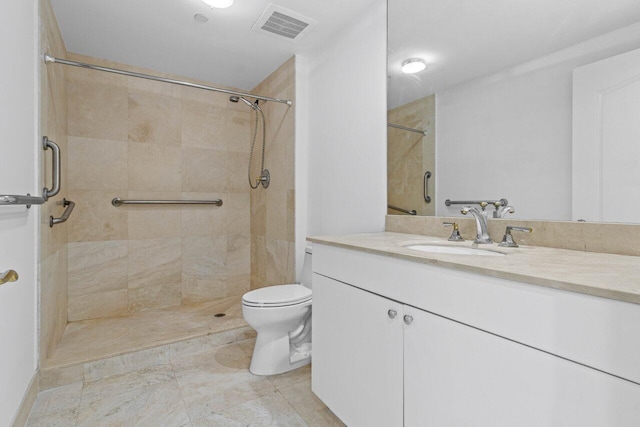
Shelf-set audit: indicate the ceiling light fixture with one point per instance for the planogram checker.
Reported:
(413, 65)
(200, 17)
(220, 4)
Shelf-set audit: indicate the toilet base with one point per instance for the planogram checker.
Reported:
(271, 355)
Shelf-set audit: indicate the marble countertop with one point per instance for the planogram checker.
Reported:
(604, 275)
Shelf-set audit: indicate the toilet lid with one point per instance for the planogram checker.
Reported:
(277, 295)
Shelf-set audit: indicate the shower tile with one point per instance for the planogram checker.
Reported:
(239, 284)
(97, 267)
(238, 211)
(258, 262)
(63, 417)
(97, 164)
(154, 262)
(204, 257)
(154, 118)
(154, 221)
(202, 125)
(155, 296)
(204, 170)
(199, 290)
(237, 131)
(278, 262)
(280, 225)
(269, 410)
(247, 346)
(99, 304)
(126, 363)
(94, 218)
(205, 220)
(96, 110)
(237, 163)
(217, 99)
(239, 254)
(56, 377)
(259, 213)
(154, 167)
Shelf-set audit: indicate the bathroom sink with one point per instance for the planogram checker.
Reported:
(453, 250)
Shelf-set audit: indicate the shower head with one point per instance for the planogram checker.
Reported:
(243, 99)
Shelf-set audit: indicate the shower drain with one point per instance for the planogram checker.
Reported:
(219, 315)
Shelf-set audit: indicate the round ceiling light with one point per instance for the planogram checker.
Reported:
(413, 65)
(220, 4)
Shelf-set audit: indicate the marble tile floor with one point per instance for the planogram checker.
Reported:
(95, 339)
(193, 387)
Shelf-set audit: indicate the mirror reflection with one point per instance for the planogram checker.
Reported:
(534, 102)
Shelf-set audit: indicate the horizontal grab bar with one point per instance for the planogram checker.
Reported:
(408, 129)
(501, 202)
(69, 205)
(408, 212)
(16, 199)
(119, 202)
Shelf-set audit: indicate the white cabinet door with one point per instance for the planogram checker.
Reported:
(357, 354)
(456, 375)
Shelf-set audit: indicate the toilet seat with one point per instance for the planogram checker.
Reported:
(277, 296)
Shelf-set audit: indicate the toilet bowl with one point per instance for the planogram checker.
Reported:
(281, 316)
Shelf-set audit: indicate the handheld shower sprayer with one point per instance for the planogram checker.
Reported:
(265, 177)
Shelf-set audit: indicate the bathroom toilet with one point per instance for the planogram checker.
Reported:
(281, 315)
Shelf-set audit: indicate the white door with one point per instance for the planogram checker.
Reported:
(18, 153)
(357, 354)
(456, 375)
(606, 139)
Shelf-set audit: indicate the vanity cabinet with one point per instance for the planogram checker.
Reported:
(424, 368)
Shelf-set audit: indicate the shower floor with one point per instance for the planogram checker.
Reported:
(95, 339)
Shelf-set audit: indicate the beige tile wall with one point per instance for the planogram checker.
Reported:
(410, 155)
(272, 209)
(53, 249)
(138, 139)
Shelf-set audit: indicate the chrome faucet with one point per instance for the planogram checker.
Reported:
(481, 222)
(501, 209)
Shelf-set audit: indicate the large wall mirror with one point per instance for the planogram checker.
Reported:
(532, 101)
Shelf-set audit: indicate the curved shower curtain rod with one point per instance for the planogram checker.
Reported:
(49, 58)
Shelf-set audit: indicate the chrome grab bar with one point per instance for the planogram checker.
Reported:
(427, 198)
(55, 169)
(408, 129)
(8, 276)
(496, 203)
(69, 205)
(28, 199)
(119, 202)
(408, 212)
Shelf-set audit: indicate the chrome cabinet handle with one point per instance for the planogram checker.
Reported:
(408, 319)
(392, 314)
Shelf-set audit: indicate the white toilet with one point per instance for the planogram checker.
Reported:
(281, 315)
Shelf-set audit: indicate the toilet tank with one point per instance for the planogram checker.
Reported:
(305, 280)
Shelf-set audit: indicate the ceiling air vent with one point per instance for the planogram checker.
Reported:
(281, 22)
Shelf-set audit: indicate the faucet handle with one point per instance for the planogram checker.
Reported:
(455, 234)
(507, 239)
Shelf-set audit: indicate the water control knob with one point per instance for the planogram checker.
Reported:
(408, 319)
(392, 314)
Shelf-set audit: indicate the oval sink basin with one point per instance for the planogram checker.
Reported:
(453, 250)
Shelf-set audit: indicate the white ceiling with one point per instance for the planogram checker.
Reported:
(163, 35)
(467, 39)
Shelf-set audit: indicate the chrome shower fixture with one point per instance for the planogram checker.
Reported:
(265, 176)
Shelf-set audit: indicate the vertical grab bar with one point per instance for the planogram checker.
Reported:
(427, 175)
(55, 169)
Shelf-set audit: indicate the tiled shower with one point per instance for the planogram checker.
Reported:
(131, 138)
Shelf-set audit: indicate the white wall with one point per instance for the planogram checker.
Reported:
(345, 139)
(509, 135)
(18, 151)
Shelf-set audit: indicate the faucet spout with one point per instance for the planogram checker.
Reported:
(482, 235)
